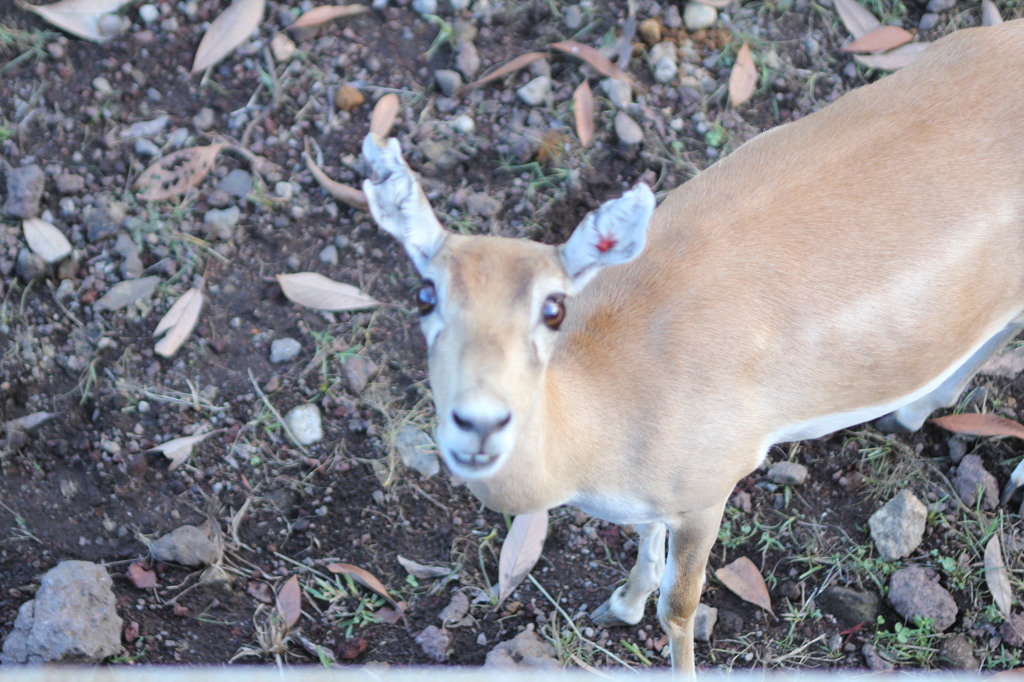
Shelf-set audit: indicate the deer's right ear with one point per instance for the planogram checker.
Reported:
(397, 201)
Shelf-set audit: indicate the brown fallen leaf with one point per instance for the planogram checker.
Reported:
(893, 60)
(352, 196)
(746, 582)
(177, 172)
(583, 109)
(881, 39)
(178, 450)
(997, 578)
(178, 322)
(601, 64)
(45, 240)
(857, 19)
(141, 577)
(321, 15)
(990, 15)
(364, 578)
(383, 115)
(289, 601)
(975, 424)
(743, 77)
(230, 29)
(508, 67)
(313, 290)
(520, 551)
(79, 17)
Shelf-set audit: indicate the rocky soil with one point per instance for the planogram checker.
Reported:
(220, 549)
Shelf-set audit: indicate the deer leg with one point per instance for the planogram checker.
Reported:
(626, 605)
(910, 417)
(689, 546)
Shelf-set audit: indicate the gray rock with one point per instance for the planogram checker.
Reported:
(457, 611)
(850, 607)
(103, 221)
(146, 148)
(358, 370)
(284, 190)
(704, 622)
(284, 350)
(24, 191)
(482, 204)
(787, 473)
(898, 527)
(915, 592)
(1012, 630)
(929, 20)
(940, 5)
(123, 294)
(425, 6)
(417, 451)
(957, 449)
(665, 70)
(204, 120)
(329, 255)
(131, 264)
(29, 266)
(305, 424)
(434, 642)
(573, 17)
(672, 18)
(698, 16)
(70, 183)
(536, 92)
(186, 546)
(459, 5)
(627, 130)
(237, 183)
(448, 81)
(525, 650)
(875, 662)
(467, 58)
(972, 478)
(149, 13)
(958, 652)
(72, 619)
(219, 223)
(618, 92)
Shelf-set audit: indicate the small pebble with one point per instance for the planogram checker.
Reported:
(573, 17)
(627, 130)
(149, 13)
(698, 16)
(425, 6)
(305, 424)
(448, 81)
(536, 92)
(348, 97)
(284, 350)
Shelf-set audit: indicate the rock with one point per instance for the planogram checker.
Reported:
(329, 255)
(650, 31)
(572, 17)
(149, 13)
(29, 266)
(915, 592)
(627, 130)
(787, 473)
(284, 350)
(103, 221)
(704, 622)
(417, 451)
(536, 92)
(72, 619)
(464, 123)
(875, 662)
(146, 148)
(24, 191)
(467, 58)
(434, 642)
(124, 293)
(483, 205)
(284, 190)
(220, 223)
(237, 183)
(898, 527)
(425, 6)
(70, 183)
(618, 91)
(957, 449)
(698, 16)
(1012, 631)
(348, 97)
(358, 370)
(186, 546)
(665, 70)
(672, 18)
(929, 20)
(940, 5)
(972, 478)
(456, 614)
(304, 422)
(525, 650)
(131, 264)
(448, 81)
(958, 651)
(459, 5)
(850, 607)
(1007, 364)
(204, 120)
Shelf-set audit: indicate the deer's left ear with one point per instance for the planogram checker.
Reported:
(615, 233)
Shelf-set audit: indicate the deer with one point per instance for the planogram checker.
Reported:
(858, 264)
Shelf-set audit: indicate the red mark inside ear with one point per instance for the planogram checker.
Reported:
(605, 243)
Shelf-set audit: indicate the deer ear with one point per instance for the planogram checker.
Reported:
(615, 233)
(397, 201)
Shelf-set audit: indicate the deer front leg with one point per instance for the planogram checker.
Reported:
(690, 544)
(627, 603)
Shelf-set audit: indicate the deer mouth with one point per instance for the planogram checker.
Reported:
(472, 464)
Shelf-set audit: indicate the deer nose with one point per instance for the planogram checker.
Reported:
(481, 417)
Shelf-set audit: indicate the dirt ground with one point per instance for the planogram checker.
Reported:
(86, 484)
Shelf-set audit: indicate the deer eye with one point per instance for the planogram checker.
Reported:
(553, 311)
(426, 298)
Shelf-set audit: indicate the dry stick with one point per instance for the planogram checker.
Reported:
(273, 410)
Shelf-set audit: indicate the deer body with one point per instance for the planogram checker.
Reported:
(859, 262)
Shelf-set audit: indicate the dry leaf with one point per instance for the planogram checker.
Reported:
(881, 39)
(746, 582)
(178, 322)
(175, 173)
(383, 115)
(512, 66)
(321, 15)
(422, 571)
(45, 240)
(980, 425)
(141, 577)
(893, 60)
(591, 56)
(990, 15)
(28, 421)
(364, 578)
(856, 18)
(289, 601)
(350, 195)
(743, 78)
(583, 108)
(520, 551)
(229, 30)
(126, 292)
(313, 290)
(178, 450)
(79, 17)
(997, 578)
